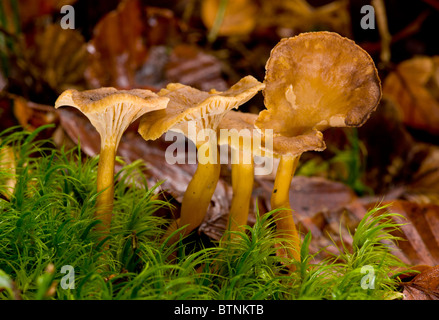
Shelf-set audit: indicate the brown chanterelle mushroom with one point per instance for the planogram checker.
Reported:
(246, 141)
(110, 111)
(203, 111)
(313, 81)
(236, 130)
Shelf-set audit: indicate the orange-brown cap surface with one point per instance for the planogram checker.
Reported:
(315, 81)
(111, 111)
(187, 104)
(237, 129)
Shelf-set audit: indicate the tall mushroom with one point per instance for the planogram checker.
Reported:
(313, 81)
(203, 111)
(110, 111)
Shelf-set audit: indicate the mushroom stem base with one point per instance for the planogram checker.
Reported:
(280, 199)
(196, 199)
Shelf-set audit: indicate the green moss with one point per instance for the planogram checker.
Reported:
(48, 223)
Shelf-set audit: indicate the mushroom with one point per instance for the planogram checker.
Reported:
(236, 130)
(260, 143)
(313, 81)
(197, 114)
(110, 111)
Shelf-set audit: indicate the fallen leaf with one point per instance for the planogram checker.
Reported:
(396, 162)
(191, 66)
(48, 61)
(414, 86)
(299, 16)
(32, 9)
(420, 232)
(117, 48)
(425, 286)
(238, 17)
(16, 110)
(59, 58)
(388, 145)
(162, 27)
(32, 115)
(424, 184)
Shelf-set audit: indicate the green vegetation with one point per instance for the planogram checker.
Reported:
(348, 165)
(48, 223)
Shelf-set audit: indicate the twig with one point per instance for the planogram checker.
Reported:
(218, 20)
(383, 29)
(409, 30)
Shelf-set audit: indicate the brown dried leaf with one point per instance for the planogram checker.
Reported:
(239, 16)
(117, 48)
(16, 110)
(423, 187)
(32, 9)
(425, 286)
(299, 16)
(162, 27)
(387, 161)
(408, 167)
(414, 86)
(420, 232)
(190, 66)
(59, 58)
(50, 60)
(32, 115)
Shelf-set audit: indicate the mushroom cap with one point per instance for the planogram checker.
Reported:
(318, 80)
(188, 104)
(111, 111)
(242, 125)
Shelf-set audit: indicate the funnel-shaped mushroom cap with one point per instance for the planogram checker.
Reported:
(238, 128)
(111, 111)
(318, 80)
(190, 104)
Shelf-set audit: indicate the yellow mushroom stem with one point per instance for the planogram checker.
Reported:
(105, 186)
(280, 200)
(197, 197)
(242, 185)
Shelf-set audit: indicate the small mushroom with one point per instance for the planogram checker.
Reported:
(110, 111)
(236, 130)
(246, 141)
(313, 81)
(188, 109)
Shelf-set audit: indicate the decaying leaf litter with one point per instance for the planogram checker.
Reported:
(396, 150)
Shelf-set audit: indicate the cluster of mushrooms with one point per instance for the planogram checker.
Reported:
(313, 81)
